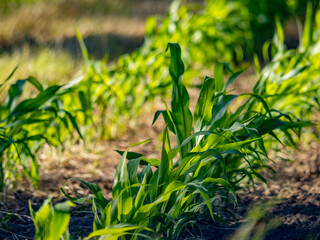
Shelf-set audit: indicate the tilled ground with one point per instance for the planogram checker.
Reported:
(294, 191)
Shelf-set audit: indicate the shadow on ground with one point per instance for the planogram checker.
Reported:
(99, 46)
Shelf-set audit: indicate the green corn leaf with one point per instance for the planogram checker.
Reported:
(143, 159)
(42, 220)
(151, 26)
(206, 198)
(156, 116)
(74, 199)
(34, 170)
(269, 125)
(2, 170)
(193, 158)
(218, 77)
(8, 78)
(83, 47)
(220, 108)
(14, 93)
(133, 166)
(74, 123)
(172, 187)
(25, 122)
(167, 118)
(201, 133)
(232, 78)
(132, 186)
(95, 189)
(259, 176)
(265, 51)
(51, 222)
(257, 64)
(16, 90)
(176, 68)
(83, 100)
(166, 164)
(280, 31)
(130, 155)
(227, 66)
(293, 73)
(235, 145)
(61, 219)
(120, 229)
(122, 181)
(206, 100)
(180, 98)
(142, 194)
(33, 104)
(35, 82)
(260, 99)
(223, 183)
(308, 28)
(31, 138)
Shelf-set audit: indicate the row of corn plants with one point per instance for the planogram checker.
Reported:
(26, 125)
(290, 83)
(108, 95)
(226, 31)
(218, 152)
(118, 92)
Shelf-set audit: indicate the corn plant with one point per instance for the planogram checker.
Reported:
(52, 221)
(117, 92)
(290, 83)
(293, 74)
(108, 96)
(26, 125)
(218, 152)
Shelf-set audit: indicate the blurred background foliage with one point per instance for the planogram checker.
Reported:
(111, 28)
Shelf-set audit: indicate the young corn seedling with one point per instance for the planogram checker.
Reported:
(219, 151)
(25, 126)
(52, 222)
(290, 83)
